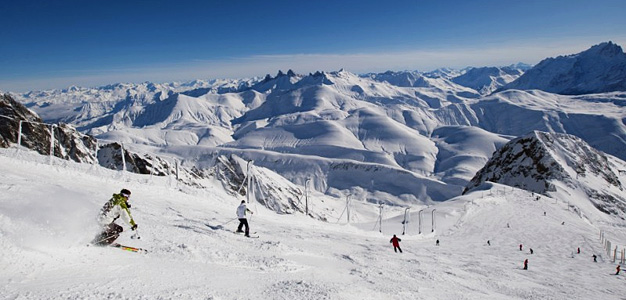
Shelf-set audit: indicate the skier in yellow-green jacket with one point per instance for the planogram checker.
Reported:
(117, 207)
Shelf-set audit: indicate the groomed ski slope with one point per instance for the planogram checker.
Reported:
(47, 219)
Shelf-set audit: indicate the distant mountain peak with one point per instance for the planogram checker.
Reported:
(599, 69)
(608, 49)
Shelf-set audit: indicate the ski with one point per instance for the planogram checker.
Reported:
(251, 236)
(129, 248)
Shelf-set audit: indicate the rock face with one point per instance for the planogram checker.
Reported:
(266, 187)
(68, 142)
(547, 163)
(600, 69)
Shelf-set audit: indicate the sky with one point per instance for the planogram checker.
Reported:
(55, 44)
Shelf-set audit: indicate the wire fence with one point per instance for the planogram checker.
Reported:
(152, 166)
(615, 253)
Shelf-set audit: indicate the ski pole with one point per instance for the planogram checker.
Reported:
(229, 221)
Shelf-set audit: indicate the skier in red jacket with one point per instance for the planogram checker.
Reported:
(395, 241)
(526, 264)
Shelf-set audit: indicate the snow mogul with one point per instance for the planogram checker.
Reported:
(117, 207)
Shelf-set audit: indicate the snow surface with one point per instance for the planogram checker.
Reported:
(47, 217)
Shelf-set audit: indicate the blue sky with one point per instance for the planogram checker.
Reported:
(54, 44)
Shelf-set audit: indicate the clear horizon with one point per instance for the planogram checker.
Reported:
(52, 45)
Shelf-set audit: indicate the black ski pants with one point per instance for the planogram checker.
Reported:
(243, 222)
(109, 234)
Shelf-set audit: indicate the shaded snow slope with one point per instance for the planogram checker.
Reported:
(597, 119)
(463, 150)
(193, 253)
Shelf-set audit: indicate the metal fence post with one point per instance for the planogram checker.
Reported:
(177, 178)
(51, 142)
(123, 157)
(96, 152)
(433, 220)
(19, 135)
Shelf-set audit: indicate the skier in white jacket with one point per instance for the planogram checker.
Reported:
(241, 214)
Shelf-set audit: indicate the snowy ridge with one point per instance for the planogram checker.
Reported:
(600, 69)
(485, 80)
(546, 163)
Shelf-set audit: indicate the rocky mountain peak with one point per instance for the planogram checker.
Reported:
(544, 162)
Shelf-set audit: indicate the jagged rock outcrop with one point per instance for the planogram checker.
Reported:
(68, 142)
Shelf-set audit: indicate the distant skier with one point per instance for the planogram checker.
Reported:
(531, 251)
(617, 269)
(488, 243)
(578, 250)
(395, 241)
(241, 214)
(520, 247)
(437, 243)
(595, 258)
(526, 264)
(117, 207)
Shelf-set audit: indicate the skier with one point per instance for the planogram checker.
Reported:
(595, 258)
(395, 241)
(531, 251)
(241, 214)
(488, 243)
(526, 264)
(578, 250)
(437, 243)
(115, 208)
(520, 247)
(617, 269)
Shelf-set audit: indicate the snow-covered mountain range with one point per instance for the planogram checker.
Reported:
(426, 133)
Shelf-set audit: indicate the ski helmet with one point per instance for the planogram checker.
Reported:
(125, 193)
